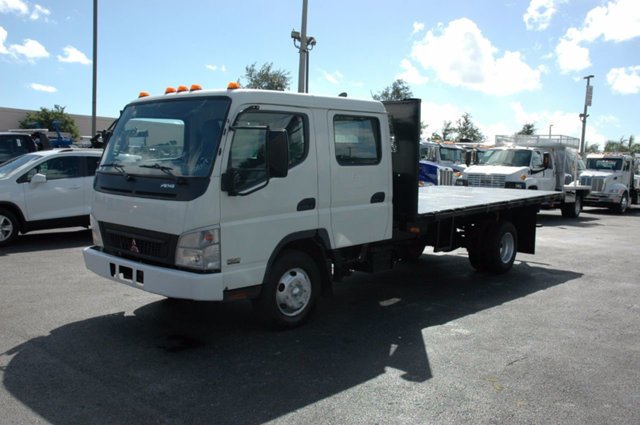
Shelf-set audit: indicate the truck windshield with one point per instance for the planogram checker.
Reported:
(180, 136)
(451, 154)
(510, 158)
(604, 163)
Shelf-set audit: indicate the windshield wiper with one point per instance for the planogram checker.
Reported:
(166, 170)
(118, 167)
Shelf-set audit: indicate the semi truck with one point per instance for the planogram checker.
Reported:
(440, 163)
(535, 163)
(611, 176)
(274, 196)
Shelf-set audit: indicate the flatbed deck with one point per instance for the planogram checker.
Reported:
(448, 201)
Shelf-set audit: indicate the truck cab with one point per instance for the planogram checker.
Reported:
(440, 163)
(612, 181)
(513, 167)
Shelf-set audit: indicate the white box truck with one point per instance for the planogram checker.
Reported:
(272, 196)
(535, 163)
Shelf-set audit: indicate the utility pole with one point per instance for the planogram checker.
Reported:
(305, 45)
(583, 116)
(95, 67)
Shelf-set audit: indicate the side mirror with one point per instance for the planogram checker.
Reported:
(278, 153)
(468, 157)
(38, 179)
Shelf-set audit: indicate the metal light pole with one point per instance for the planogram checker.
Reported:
(550, 125)
(95, 67)
(305, 45)
(583, 116)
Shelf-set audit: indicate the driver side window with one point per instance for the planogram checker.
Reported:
(536, 160)
(57, 168)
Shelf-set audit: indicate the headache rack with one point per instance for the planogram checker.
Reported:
(537, 141)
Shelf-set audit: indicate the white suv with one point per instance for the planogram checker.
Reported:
(45, 190)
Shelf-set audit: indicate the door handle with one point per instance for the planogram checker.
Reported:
(306, 204)
(377, 198)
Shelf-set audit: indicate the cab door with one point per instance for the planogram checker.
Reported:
(361, 198)
(547, 178)
(266, 212)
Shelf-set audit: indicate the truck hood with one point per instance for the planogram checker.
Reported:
(495, 170)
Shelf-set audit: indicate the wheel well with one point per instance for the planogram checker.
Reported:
(15, 210)
(312, 243)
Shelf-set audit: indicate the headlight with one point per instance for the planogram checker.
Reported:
(95, 231)
(199, 250)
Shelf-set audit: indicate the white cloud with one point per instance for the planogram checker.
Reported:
(334, 78)
(461, 56)
(410, 74)
(29, 50)
(72, 55)
(625, 80)
(564, 123)
(214, 68)
(14, 6)
(42, 87)
(39, 12)
(3, 38)
(435, 114)
(417, 27)
(617, 21)
(539, 13)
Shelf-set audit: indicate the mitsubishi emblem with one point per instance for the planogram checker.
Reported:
(134, 247)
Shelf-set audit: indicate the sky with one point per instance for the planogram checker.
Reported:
(505, 62)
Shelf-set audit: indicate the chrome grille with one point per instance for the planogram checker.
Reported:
(445, 177)
(484, 180)
(596, 183)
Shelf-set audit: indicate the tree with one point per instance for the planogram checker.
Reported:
(267, 78)
(591, 147)
(467, 130)
(398, 90)
(45, 117)
(528, 129)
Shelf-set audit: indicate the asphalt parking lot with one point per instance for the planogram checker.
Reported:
(556, 340)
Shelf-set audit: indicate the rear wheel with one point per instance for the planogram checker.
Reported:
(289, 295)
(501, 247)
(9, 227)
(573, 209)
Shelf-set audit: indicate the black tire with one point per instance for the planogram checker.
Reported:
(621, 208)
(573, 209)
(289, 295)
(501, 247)
(9, 227)
(411, 252)
(477, 259)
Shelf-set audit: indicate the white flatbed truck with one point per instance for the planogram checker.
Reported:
(273, 196)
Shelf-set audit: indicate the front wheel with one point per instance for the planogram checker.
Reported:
(9, 227)
(290, 293)
(622, 206)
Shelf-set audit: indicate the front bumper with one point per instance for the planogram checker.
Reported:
(157, 280)
(599, 198)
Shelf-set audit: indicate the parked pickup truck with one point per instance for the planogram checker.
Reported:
(536, 163)
(272, 196)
